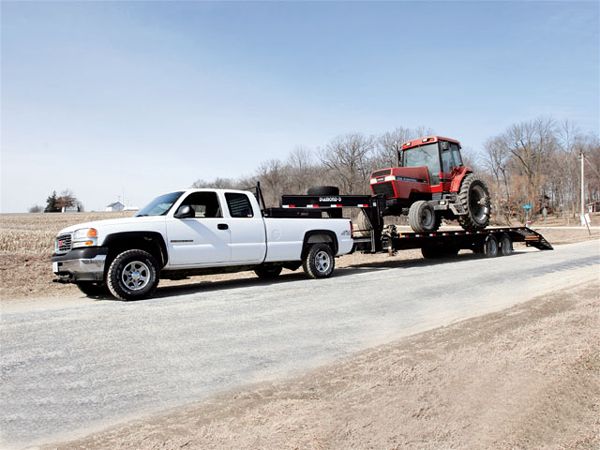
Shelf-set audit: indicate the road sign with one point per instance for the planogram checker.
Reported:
(527, 206)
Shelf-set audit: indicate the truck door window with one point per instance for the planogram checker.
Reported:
(205, 204)
(239, 205)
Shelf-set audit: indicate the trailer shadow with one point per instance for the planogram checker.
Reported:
(211, 286)
(221, 285)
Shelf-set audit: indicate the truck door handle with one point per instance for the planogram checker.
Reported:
(223, 226)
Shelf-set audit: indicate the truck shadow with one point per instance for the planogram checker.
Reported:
(220, 285)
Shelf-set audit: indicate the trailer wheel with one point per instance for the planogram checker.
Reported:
(506, 246)
(422, 217)
(490, 246)
(268, 272)
(132, 275)
(323, 190)
(93, 288)
(319, 261)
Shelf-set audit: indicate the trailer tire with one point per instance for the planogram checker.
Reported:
(268, 272)
(319, 261)
(323, 190)
(93, 288)
(474, 197)
(506, 246)
(422, 217)
(490, 246)
(132, 275)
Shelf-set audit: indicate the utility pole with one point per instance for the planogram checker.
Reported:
(582, 190)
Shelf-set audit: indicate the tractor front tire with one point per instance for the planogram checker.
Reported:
(422, 217)
(475, 199)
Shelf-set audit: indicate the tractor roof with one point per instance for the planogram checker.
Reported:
(426, 140)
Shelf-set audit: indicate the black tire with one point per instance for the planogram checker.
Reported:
(506, 245)
(319, 261)
(490, 246)
(132, 275)
(93, 288)
(474, 196)
(323, 190)
(422, 217)
(268, 272)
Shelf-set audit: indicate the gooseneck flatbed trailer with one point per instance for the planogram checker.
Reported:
(373, 236)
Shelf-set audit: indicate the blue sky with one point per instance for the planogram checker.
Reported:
(146, 97)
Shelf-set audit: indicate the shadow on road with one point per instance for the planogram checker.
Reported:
(211, 286)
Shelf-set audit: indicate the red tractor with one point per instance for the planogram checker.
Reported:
(432, 183)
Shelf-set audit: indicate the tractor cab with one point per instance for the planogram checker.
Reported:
(426, 169)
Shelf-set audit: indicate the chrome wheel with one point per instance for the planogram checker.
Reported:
(322, 261)
(136, 275)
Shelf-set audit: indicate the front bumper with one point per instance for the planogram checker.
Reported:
(81, 264)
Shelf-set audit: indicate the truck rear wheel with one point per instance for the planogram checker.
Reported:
(132, 275)
(93, 289)
(268, 272)
(422, 217)
(475, 199)
(319, 261)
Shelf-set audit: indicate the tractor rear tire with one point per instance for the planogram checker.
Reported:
(475, 199)
(323, 190)
(422, 217)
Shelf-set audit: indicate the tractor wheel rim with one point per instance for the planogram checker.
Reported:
(426, 218)
(136, 275)
(322, 261)
(478, 204)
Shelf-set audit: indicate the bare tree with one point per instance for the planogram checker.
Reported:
(390, 143)
(348, 159)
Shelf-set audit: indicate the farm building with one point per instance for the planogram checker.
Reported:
(116, 206)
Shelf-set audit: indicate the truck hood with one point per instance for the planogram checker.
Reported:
(125, 224)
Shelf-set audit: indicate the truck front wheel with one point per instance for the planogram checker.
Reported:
(132, 275)
(319, 261)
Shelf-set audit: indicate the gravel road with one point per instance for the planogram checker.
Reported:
(76, 365)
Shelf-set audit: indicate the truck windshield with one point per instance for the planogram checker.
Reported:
(160, 205)
(425, 155)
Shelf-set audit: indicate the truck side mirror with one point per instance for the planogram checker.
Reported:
(185, 212)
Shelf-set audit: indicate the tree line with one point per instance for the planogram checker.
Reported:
(534, 162)
(57, 203)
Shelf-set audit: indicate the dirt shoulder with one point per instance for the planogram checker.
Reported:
(526, 377)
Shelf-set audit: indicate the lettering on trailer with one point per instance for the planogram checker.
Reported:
(330, 199)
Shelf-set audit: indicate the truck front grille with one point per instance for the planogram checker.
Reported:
(63, 243)
(383, 188)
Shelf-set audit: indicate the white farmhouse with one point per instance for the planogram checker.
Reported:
(116, 206)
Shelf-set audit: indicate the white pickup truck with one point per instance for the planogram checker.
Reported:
(193, 232)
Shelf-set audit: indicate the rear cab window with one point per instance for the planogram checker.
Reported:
(239, 205)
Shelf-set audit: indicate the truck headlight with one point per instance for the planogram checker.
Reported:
(85, 237)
